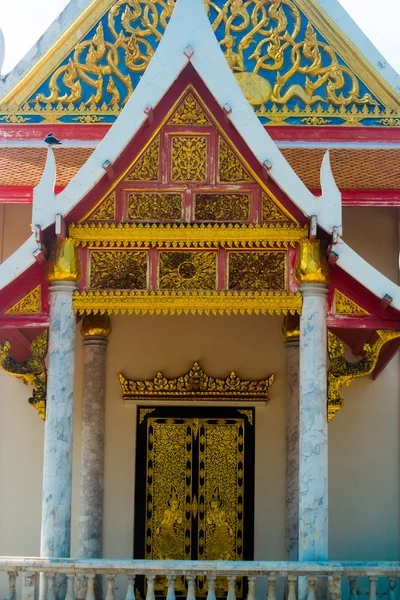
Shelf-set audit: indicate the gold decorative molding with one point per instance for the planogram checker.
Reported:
(189, 113)
(143, 412)
(196, 383)
(311, 264)
(28, 305)
(187, 236)
(96, 326)
(291, 327)
(64, 263)
(31, 371)
(105, 211)
(146, 167)
(345, 306)
(230, 168)
(247, 412)
(343, 373)
(208, 303)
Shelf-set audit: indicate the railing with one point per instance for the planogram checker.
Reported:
(67, 578)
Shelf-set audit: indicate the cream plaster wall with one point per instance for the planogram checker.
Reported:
(374, 234)
(15, 228)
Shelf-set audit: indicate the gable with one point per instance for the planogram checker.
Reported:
(288, 58)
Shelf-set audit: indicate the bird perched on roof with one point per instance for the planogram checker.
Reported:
(51, 140)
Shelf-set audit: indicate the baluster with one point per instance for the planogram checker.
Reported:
(130, 592)
(12, 578)
(271, 588)
(43, 586)
(335, 587)
(28, 586)
(353, 588)
(372, 587)
(150, 587)
(70, 587)
(312, 585)
(292, 584)
(171, 587)
(90, 595)
(211, 587)
(392, 588)
(231, 587)
(191, 593)
(110, 587)
(50, 587)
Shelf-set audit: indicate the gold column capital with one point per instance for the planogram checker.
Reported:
(291, 327)
(311, 264)
(96, 326)
(64, 262)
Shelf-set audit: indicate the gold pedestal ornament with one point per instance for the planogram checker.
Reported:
(96, 326)
(291, 327)
(311, 264)
(64, 262)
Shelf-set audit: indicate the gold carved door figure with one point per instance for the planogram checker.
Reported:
(194, 495)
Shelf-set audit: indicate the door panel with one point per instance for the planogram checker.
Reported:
(195, 487)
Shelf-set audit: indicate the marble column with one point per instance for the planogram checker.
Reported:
(64, 272)
(291, 334)
(312, 272)
(95, 331)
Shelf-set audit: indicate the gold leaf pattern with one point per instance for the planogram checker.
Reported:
(146, 168)
(106, 210)
(189, 113)
(155, 206)
(189, 158)
(29, 305)
(345, 306)
(196, 383)
(222, 207)
(187, 270)
(118, 269)
(230, 167)
(271, 212)
(257, 271)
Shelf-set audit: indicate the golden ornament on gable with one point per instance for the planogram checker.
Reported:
(345, 306)
(28, 305)
(146, 167)
(189, 113)
(105, 211)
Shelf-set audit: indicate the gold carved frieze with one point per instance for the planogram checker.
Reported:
(28, 305)
(105, 211)
(197, 235)
(32, 371)
(180, 302)
(146, 168)
(184, 271)
(230, 169)
(342, 372)
(345, 306)
(189, 113)
(271, 212)
(257, 271)
(227, 207)
(196, 383)
(189, 158)
(118, 269)
(155, 206)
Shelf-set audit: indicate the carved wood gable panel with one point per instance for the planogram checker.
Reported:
(188, 215)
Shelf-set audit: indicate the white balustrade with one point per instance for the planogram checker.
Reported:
(381, 578)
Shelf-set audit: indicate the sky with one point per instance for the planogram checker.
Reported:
(24, 21)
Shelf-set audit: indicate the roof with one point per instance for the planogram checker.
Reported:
(353, 169)
(297, 63)
(189, 37)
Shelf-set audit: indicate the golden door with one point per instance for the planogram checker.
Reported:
(195, 487)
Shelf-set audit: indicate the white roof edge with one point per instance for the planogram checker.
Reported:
(189, 26)
(49, 37)
(345, 22)
(366, 274)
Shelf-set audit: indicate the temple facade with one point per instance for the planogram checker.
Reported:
(199, 286)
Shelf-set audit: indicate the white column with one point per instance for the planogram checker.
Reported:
(312, 272)
(313, 463)
(291, 334)
(57, 467)
(95, 332)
